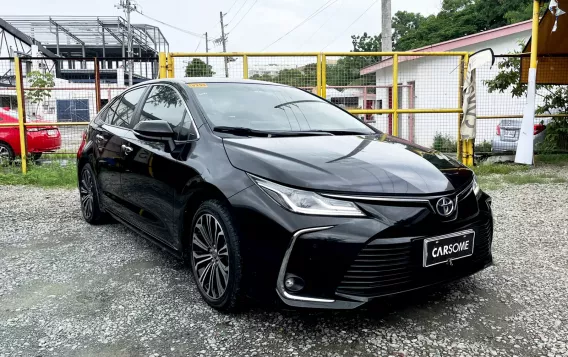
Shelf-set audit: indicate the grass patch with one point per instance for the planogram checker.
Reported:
(47, 175)
(529, 179)
(58, 156)
(496, 181)
(499, 169)
(552, 159)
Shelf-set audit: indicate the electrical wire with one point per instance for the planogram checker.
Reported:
(239, 10)
(245, 15)
(319, 28)
(348, 27)
(232, 6)
(199, 44)
(172, 26)
(314, 14)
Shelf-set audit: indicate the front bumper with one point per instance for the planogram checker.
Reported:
(344, 263)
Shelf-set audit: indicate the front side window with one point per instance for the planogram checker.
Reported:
(164, 103)
(124, 112)
(272, 108)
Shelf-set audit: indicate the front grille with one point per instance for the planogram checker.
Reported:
(382, 269)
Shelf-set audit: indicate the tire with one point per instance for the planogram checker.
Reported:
(6, 154)
(36, 156)
(209, 261)
(89, 194)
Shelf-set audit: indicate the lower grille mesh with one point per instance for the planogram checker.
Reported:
(382, 269)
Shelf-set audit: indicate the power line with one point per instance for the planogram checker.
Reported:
(172, 26)
(315, 13)
(198, 44)
(324, 23)
(348, 27)
(232, 5)
(239, 10)
(245, 15)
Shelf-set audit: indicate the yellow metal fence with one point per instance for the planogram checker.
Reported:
(415, 96)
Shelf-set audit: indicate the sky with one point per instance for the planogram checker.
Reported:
(252, 25)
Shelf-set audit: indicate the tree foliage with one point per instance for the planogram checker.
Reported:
(198, 68)
(40, 81)
(457, 18)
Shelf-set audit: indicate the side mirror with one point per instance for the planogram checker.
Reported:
(155, 130)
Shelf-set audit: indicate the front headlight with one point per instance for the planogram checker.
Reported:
(476, 189)
(306, 202)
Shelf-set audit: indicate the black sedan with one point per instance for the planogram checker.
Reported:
(265, 188)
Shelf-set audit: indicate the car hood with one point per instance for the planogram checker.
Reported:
(377, 164)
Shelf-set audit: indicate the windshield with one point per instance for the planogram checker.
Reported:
(272, 108)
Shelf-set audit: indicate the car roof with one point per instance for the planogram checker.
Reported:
(188, 80)
(223, 80)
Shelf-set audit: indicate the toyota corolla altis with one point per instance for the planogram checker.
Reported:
(263, 188)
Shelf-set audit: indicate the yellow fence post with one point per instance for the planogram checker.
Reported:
(171, 66)
(163, 73)
(21, 113)
(467, 145)
(318, 75)
(395, 95)
(324, 76)
(461, 67)
(245, 67)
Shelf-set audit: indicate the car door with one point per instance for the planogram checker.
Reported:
(109, 132)
(151, 170)
(108, 157)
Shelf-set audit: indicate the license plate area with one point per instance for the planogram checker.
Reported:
(510, 134)
(439, 250)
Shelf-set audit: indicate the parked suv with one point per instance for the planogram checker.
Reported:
(268, 190)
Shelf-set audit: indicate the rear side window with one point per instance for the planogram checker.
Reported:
(124, 111)
(164, 103)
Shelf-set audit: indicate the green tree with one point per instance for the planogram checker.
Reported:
(403, 23)
(40, 81)
(198, 68)
(457, 18)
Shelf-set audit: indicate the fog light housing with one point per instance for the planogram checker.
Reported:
(293, 283)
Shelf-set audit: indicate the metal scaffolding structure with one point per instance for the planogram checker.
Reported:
(82, 36)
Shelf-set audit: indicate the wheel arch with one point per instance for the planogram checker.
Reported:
(10, 146)
(196, 195)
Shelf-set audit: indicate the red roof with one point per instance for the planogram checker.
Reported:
(456, 43)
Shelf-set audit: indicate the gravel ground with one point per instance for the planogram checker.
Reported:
(70, 289)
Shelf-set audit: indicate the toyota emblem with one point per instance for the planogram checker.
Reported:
(445, 207)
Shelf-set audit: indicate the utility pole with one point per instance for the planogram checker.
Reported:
(386, 21)
(206, 47)
(128, 7)
(224, 41)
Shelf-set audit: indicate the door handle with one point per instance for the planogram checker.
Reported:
(126, 149)
(99, 138)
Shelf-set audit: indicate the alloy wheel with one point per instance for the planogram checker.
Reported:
(210, 256)
(86, 192)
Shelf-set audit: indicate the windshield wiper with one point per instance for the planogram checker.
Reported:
(298, 101)
(345, 132)
(241, 131)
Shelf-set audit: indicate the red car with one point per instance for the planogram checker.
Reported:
(40, 138)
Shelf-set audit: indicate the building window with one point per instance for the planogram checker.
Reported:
(73, 110)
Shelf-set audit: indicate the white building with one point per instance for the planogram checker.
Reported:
(432, 83)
